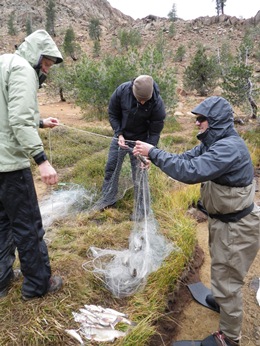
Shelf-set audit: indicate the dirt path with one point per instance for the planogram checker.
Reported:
(195, 322)
(198, 322)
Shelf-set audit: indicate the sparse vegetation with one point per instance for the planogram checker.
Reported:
(129, 38)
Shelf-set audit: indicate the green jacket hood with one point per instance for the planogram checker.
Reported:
(36, 45)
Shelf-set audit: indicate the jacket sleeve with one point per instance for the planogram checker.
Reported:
(194, 166)
(23, 108)
(156, 123)
(115, 112)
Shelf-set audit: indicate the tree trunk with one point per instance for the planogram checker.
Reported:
(62, 98)
(251, 101)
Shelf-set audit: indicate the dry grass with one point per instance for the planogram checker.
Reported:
(43, 321)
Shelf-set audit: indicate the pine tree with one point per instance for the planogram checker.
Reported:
(202, 73)
(180, 53)
(50, 17)
(69, 43)
(220, 4)
(11, 28)
(237, 85)
(28, 26)
(94, 29)
(172, 15)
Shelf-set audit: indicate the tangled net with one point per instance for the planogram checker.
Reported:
(126, 271)
(122, 271)
(68, 200)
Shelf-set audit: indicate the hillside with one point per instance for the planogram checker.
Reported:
(212, 32)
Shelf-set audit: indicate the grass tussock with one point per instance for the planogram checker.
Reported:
(42, 322)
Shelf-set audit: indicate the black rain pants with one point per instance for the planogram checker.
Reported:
(21, 228)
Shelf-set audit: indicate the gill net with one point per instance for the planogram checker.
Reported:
(123, 272)
(70, 197)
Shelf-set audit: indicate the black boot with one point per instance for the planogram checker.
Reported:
(212, 303)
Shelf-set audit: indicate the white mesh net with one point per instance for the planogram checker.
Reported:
(125, 271)
(68, 200)
(122, 271)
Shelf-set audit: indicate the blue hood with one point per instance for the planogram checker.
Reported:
(219, 114)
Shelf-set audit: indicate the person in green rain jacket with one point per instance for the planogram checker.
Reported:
(21, 75)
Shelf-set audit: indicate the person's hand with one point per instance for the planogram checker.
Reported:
(48, 173)
(142, 148)
(121, 142)
(50, 122)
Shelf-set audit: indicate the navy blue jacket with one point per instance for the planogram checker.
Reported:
(221, 157)
(133, 120)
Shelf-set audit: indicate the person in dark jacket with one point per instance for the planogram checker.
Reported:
(20, 220)
(136, 111)
(222, 164)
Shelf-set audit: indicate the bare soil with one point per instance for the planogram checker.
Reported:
(184, 319)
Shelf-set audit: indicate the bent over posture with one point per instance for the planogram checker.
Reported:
(136, 111)
(20, 220)
(222, 164)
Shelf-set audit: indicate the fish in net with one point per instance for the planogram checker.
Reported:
(124, 272)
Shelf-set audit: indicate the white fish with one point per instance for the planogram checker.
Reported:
(103, 334)
(98, 308)
(117, 319)
(90, 325)
(87, 312)
(98, 323)
(75, 334)
(79, 317)
(125, 320)
(85, 318)
(94, 308)
(112, 311)
(98, 317)
(104, 316)
(258, 294)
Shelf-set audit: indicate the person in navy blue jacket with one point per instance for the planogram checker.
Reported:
(136, 111)
(223, 166)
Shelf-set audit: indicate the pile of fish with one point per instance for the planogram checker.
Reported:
(98, 323)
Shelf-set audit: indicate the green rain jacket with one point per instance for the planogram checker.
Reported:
(19, 112)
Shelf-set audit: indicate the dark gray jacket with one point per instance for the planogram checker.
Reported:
(133, 120)
(221, 157)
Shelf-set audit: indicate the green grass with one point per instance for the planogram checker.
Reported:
(252, 138)
(80, 159)
(171, 125)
